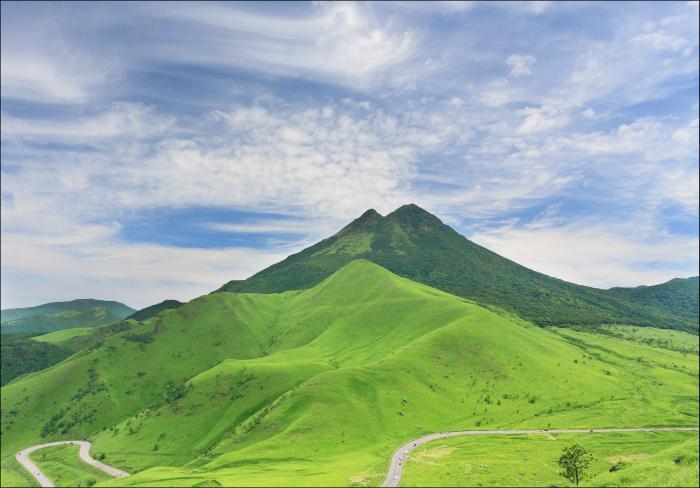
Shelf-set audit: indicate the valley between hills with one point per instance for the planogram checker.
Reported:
(314, 371)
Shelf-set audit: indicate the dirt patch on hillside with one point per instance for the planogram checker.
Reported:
(361, 480)
(429, 455)
(628, 458)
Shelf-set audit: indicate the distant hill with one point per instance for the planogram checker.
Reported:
(417, 245)
(55, 316)
(25, 353)
(678, 296)
(153, 310)
(20, 355)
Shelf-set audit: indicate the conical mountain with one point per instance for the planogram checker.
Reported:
(413, 243)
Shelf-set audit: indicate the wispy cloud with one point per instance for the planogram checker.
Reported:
(521, 65)
(601, 254)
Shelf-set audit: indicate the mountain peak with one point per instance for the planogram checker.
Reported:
(370, 214)
(363, 222)
(414, 216)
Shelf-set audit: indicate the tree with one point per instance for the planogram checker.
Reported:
(575, 461)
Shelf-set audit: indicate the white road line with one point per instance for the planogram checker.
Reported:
(23, 458)
(398, 460)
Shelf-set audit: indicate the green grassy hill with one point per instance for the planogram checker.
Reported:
(417, 245)
(55, 316)
(318, 387)
(153, 310)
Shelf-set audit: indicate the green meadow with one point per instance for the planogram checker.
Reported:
(319, 387)
(64, 467)
(63, 335)
(636, 459)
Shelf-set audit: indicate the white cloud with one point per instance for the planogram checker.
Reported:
(542, 119)
(289, 226)
(332, 161)
(133, 120)
(94, 263)
(539, 6)
(596, 253)
(456, 102)
(660, 41)
(495, 94)
(339, 42)
(589, 113)
(521, 65)
(650, 138)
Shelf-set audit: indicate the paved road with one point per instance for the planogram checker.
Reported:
(23, 458)
(398, 460)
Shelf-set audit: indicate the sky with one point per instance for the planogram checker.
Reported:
(158, 150)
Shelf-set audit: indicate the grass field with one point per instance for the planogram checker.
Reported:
(641, 459)
(667, 339)
(63, 335)
(319, 387)
(63, 466)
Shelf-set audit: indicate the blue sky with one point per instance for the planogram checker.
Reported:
(158, 150)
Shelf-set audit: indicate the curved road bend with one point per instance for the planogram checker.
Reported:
(393, 478)
(23, 458)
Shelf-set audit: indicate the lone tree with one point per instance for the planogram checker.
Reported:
(575, 461)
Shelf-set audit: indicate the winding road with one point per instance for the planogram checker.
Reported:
(398, 460)
(23, 458)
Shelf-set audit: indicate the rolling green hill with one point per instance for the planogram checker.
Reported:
(153, 310)
(417, 245)
(318, 387)
(55, 316)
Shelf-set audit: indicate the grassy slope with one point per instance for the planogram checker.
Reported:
(673, 340)
(648, 460)
(153, 310)
(63, 466)
(320, 386)
(415, 244)
(63, 335)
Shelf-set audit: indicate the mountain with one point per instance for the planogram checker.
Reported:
(678, 296)
(319, 387)
(153, 310)
(79, 305)
(417, 245)
(55, 316)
